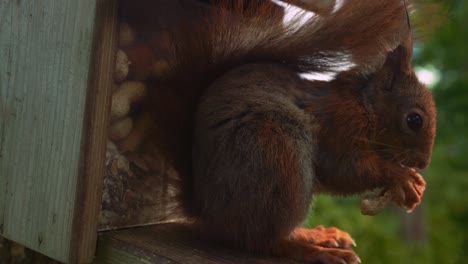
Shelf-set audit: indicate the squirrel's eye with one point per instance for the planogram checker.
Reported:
(414, 121)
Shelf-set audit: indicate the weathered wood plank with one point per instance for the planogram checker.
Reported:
(90, 182)
(168, 243)
(5, 58)
(50, 176)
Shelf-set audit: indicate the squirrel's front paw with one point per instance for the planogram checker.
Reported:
(326, 237)
(409, 191)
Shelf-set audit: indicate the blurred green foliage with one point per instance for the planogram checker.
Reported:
(445, 203)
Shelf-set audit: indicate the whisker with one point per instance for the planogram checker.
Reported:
(377, 142)
(381, 131)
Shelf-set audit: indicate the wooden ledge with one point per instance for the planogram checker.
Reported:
(168, 244)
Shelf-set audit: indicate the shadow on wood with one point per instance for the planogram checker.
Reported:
(167, 243)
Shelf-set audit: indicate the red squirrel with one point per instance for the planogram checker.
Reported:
(254, 139)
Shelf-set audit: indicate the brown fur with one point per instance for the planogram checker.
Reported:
(263, 140)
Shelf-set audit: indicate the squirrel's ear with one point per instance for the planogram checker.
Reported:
(400, 58)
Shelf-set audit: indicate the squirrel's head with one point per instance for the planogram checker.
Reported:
(403, 110)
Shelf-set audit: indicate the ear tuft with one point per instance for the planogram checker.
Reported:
(400, 58)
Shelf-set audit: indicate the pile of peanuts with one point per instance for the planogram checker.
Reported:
(125, 93)
(135, 62)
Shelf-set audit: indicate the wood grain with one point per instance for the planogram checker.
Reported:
(49, 184)
(168, 243)
(98, 103)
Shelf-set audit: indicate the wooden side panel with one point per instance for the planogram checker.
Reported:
(90, 183)
(5, 58)
(49, 190)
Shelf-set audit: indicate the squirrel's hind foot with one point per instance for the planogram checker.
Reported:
(312, 253)
(325, 237)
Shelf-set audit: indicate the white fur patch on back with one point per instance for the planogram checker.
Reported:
(294, 16)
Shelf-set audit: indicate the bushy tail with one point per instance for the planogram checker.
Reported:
(358, 31)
